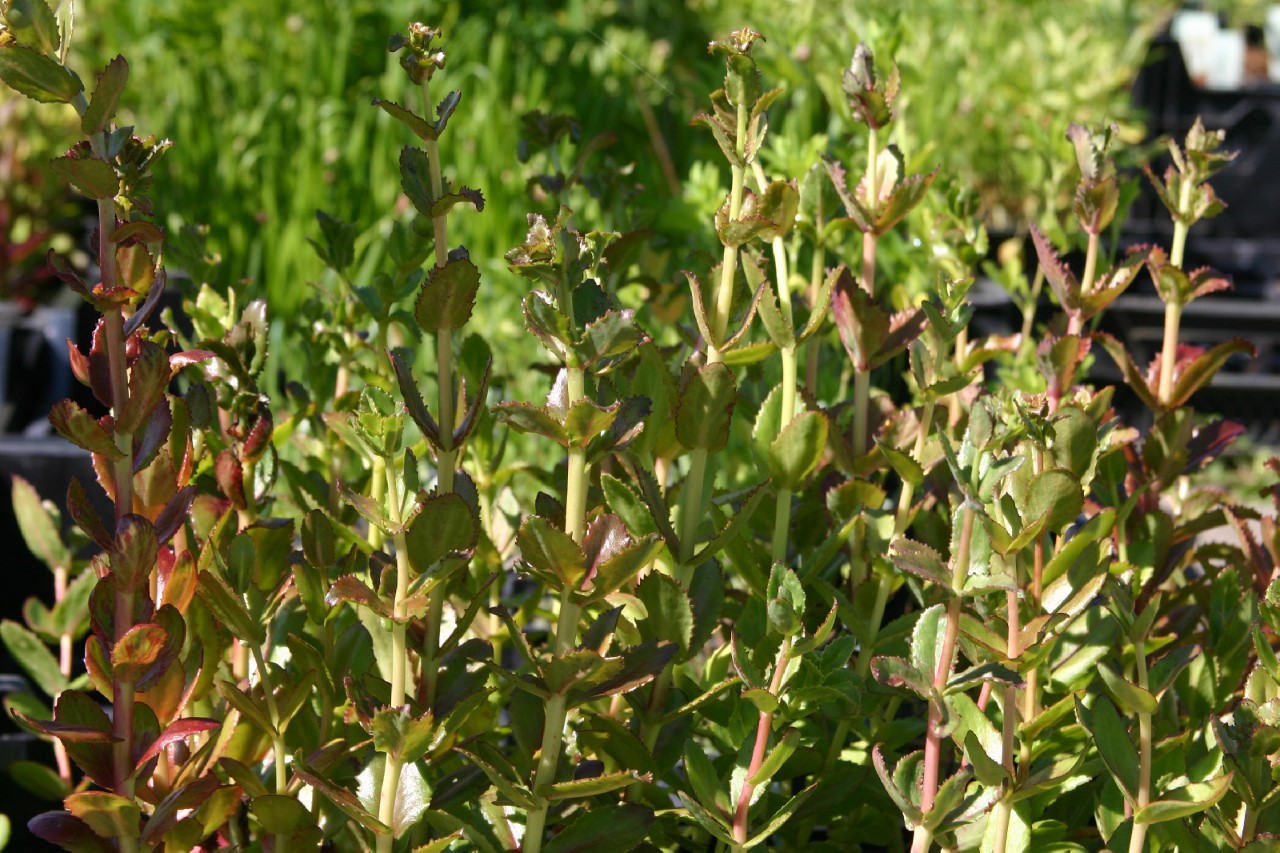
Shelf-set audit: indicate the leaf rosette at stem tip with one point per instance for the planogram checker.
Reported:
(870, 99)
(1098, 191)
(417, 58)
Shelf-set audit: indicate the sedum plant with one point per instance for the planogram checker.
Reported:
(695, 597)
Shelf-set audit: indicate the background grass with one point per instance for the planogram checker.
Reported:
(269, 106)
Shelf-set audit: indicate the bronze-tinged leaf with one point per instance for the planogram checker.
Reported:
(133, 552)
(106, 97)
(178, 730)
(1059, 275)
(350, 588)
(80, 428)
(863, 325)
(1196, 368)
(1132, 375)
(68, 832)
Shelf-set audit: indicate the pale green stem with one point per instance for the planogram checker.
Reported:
(566, 629)
(816, 272)
(861, 410)
(446, 460)
(377, 492)
(693, 506)
(399, 655)
(790, 367)
(1004, 809)
(946, 660)
(1173, 308)
(273, 712)
(1075, 319)
(907, 495)
(1138, 838)
(64, 666)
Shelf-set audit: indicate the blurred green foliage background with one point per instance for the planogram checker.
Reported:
(269, 105)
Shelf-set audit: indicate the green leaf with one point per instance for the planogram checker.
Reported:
(1114, 746)
(34, 657)
(611, 335)
(109, 815)
(901, 785)
(342, 798)
(551, 551)
(588, 786)
(988, 771)
(775, 324)
(526, 417)
(627, 505)
(106, 96)
(280, 814)
(906, 467)
(782, 750)
(921, 561)
(704, 407)
(446, 525)
(507, 786)
(93, 177)
(251, 707)
(1132, 698)
(708, 820)
(37, 76)
(1075, 439)
(229, 608)
(448, 295)
(421, 128)
(1133, 377)
(1186, 801)
(1056, 495)
(927, 640)
(401, 735)
(39, 779)
(38, 520)
(34, 24)
(411, 797)
(1193, 376)
(780, 817)
(797, 450)
(612, 827)
(702, 774)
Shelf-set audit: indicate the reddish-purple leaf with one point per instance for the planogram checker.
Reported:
(230, 477)
(85, 516)
(178, 730)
